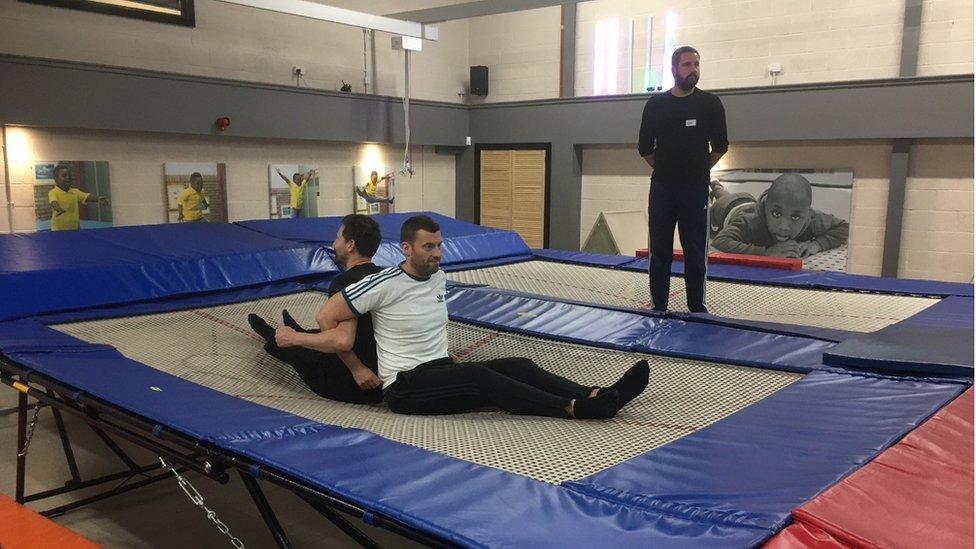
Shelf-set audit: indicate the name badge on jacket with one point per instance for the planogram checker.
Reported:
(691, 122)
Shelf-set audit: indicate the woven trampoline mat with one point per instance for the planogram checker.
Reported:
(214, 347)
(859, 312)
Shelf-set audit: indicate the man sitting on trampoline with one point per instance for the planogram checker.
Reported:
(409, 312)
(347, 374)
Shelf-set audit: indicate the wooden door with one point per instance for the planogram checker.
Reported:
(513, 192)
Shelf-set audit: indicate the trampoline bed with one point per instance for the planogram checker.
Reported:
(214, 347)
(852, 311)
(738, 428)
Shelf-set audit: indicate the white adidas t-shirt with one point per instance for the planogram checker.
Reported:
(409, 318)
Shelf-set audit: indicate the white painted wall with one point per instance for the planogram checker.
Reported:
(521, 51)
(239, 43)
(813, 40)
(136, 170)
(946, 38)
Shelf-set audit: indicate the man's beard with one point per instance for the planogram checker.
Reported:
(688, 83)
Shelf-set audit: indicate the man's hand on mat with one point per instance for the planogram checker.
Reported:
(366, 379)
(286, 337)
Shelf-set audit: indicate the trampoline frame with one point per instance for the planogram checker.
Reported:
(276, 268)
(189, 455)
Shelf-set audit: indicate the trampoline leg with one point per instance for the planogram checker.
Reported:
(335, 518)
(69, 454)
(115, 448)
(21, 440)
(266, 512)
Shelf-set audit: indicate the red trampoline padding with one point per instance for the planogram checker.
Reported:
(784, 263)
(21, 528)
(804, 536)
(918, 493)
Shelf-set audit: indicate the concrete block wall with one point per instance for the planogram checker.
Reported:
(937, 227)
(813, 40)
(946, 40)
(521, 51)
(136, 171)
(240, 43)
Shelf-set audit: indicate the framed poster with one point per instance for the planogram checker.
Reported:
(71, 195)
(176, 12)
(783, 213)
(293, 190)
(372, 191)
(195, 192)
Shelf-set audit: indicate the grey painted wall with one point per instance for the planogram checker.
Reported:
(36, 92)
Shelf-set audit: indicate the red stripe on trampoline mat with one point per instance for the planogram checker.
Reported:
(784, 263)
(918, 493)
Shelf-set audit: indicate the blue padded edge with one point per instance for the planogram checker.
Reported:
(409, 484)
(936, 342)
(48, 272)
(188, 302)
(821, 280)
(463, 242)
(769, 458)
(601, 327)
(777, 277)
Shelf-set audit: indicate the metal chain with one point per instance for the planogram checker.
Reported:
(197, 500)
(30, 432)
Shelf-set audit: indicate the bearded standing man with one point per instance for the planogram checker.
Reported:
(682, 135)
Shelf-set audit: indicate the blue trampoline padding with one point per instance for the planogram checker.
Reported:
(62, 271)
(226, 297)
(415, 486)
(936, 342)
(463, 242)
(602, 327)
(757, 465)
(821, 280)
(584, 258)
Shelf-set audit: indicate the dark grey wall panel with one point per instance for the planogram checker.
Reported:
(73, 95)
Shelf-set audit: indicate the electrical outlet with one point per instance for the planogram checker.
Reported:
(298, 71)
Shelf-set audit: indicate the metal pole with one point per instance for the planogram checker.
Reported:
(21, 440)
(266, 512)
(6, 183)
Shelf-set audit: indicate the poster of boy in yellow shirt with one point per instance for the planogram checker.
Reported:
(372, 192)
(72, 195)
(293, 190)
(195, 192)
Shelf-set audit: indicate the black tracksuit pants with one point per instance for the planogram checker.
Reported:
(325, 374)
(686, 206)
(516, 385)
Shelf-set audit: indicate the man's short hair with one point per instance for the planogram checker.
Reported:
(364, 231)
(676, 56)
(408, 232)
(60, 167)
(197, 176)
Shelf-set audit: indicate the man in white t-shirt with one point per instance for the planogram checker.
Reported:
(409, 310)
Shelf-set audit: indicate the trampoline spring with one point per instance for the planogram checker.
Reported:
(30, 432)
(197, 499)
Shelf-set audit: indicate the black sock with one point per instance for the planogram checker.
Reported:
(602, 406)
(291, 322)
(261, 327)
(294, 325)
(632, 383)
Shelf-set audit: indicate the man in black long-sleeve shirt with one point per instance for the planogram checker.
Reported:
(676, 131)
